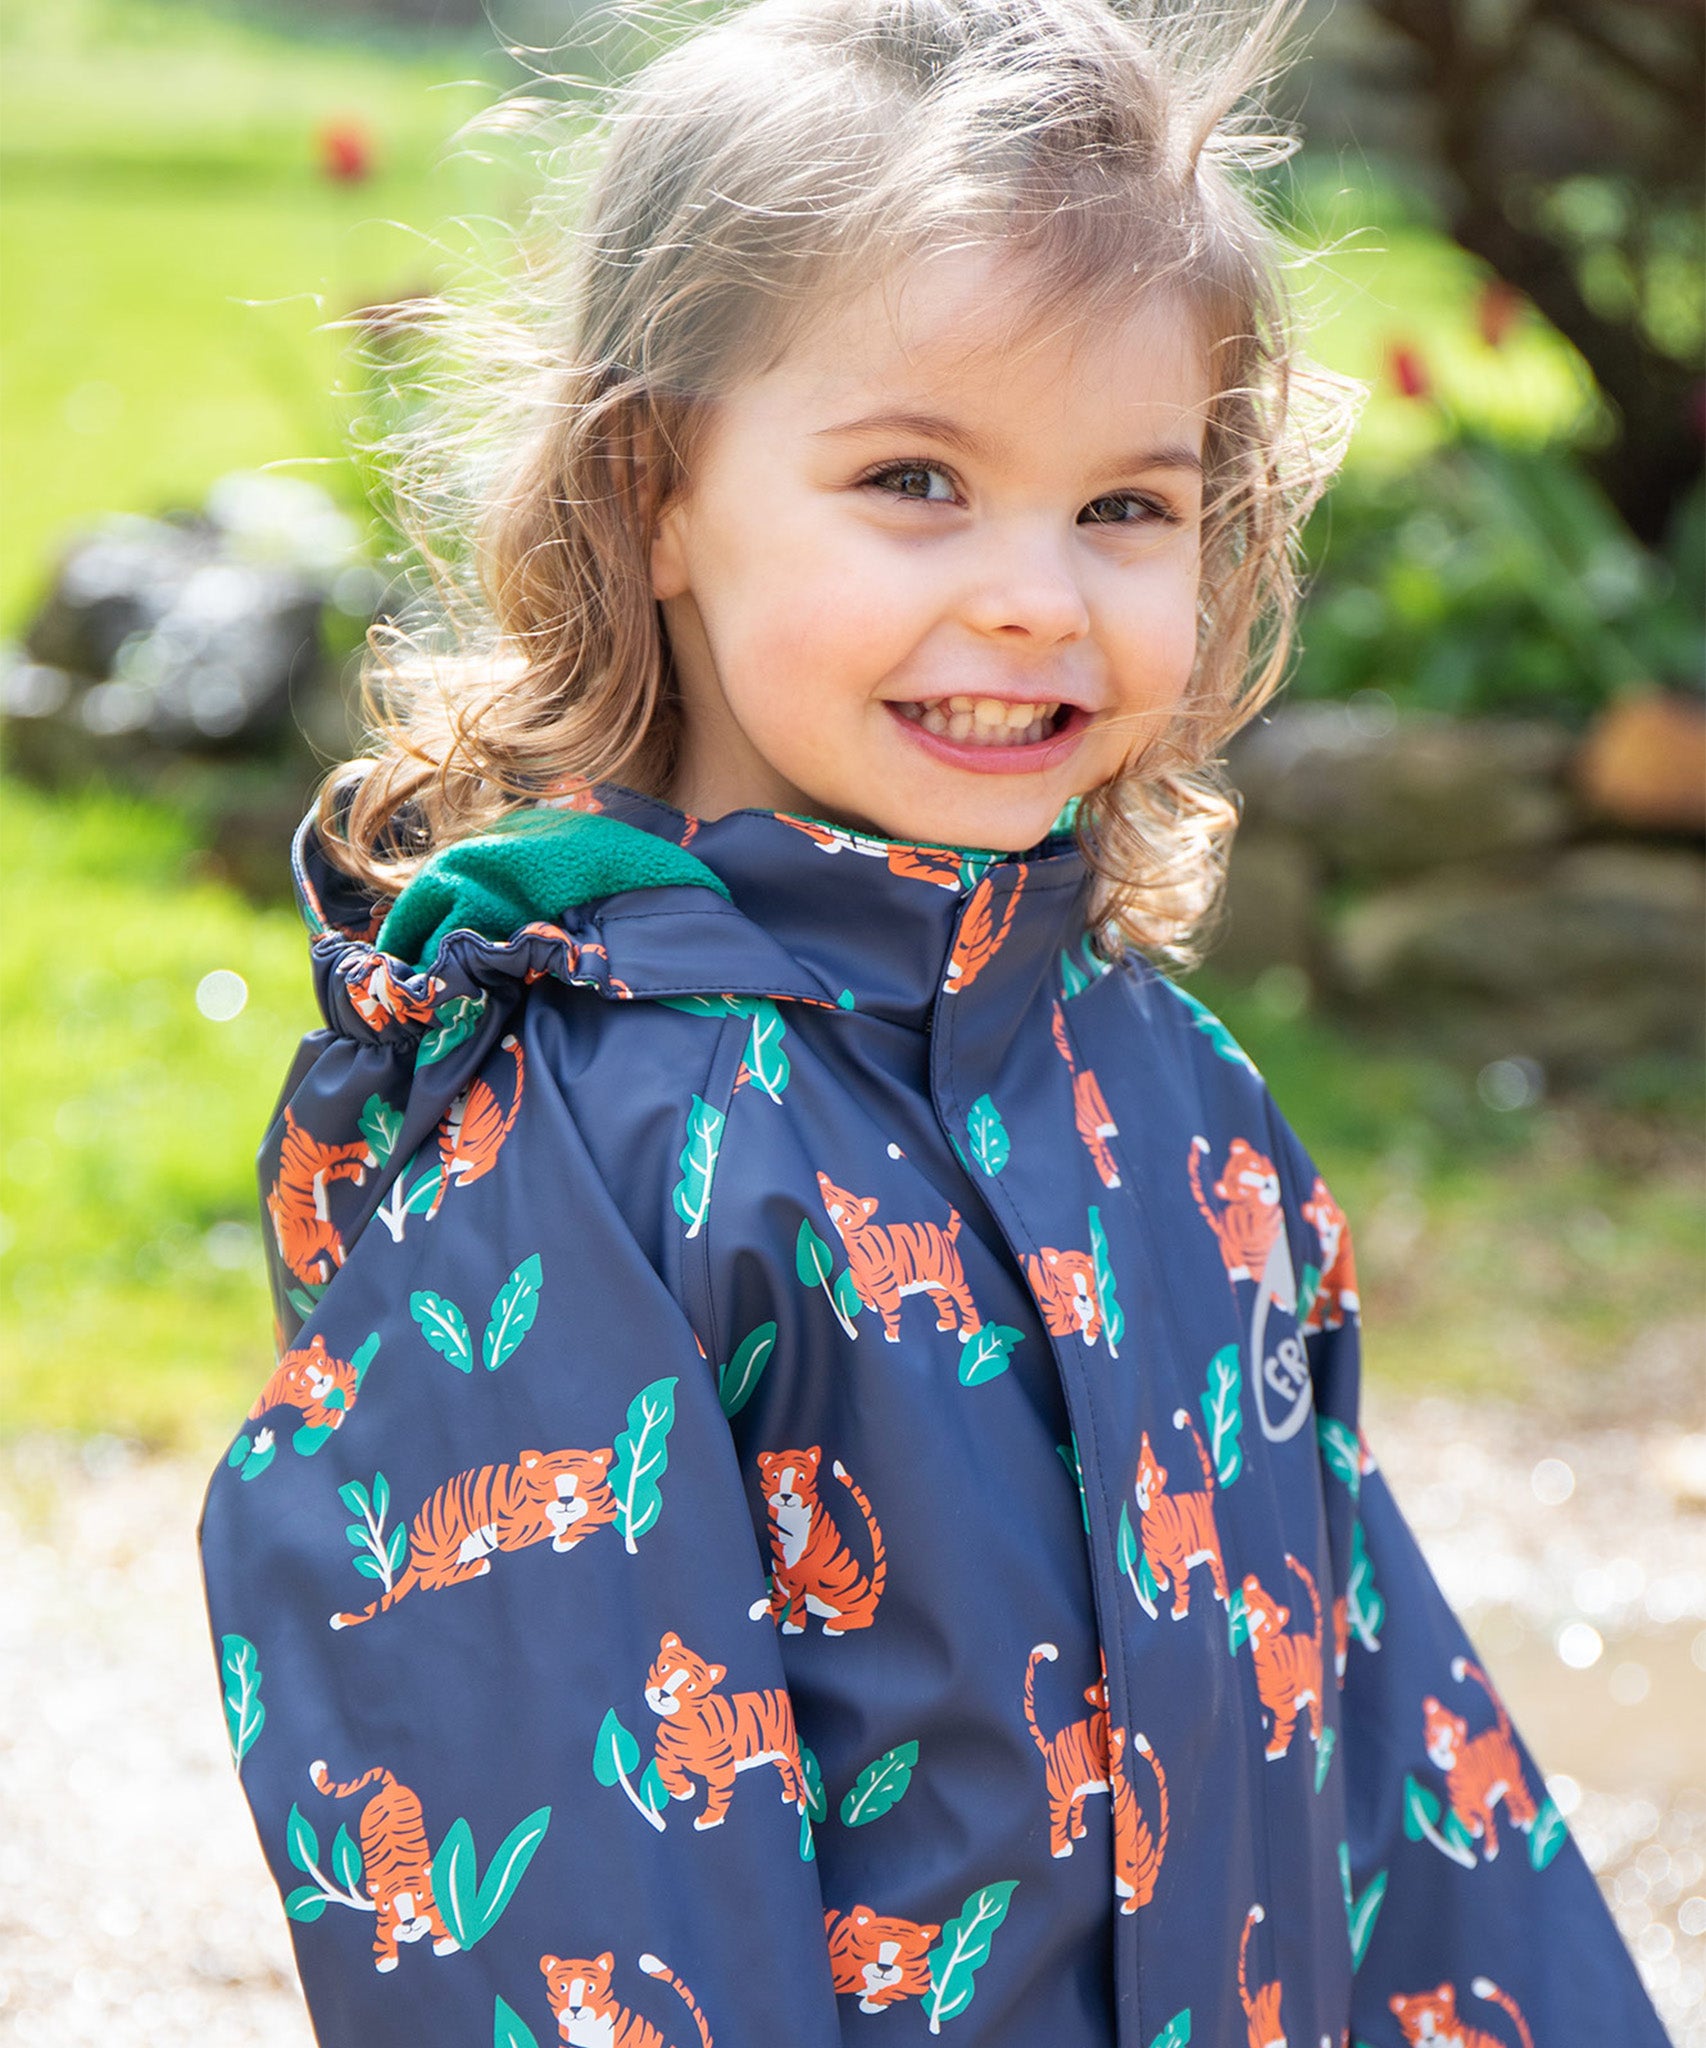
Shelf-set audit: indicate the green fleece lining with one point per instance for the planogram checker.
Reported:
(533, 865)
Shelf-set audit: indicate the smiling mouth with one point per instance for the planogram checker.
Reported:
(987, 721)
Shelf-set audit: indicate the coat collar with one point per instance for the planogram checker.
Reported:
(753, 904)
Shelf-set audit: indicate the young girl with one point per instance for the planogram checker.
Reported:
(812, 1490)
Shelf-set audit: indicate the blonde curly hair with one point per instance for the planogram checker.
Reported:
(788, 153)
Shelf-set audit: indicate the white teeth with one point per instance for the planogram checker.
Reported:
(988, 721)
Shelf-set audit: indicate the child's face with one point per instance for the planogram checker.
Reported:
(912, 506)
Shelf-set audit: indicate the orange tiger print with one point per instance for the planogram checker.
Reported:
(1288, 1667)
(1341, 1636)
(587, 2011)
(1479, 1770)
(1091, 1114)
(1336, 1294)
(313, 1381)
(889, 1261)
(301, 1220)
(1431, 2016)
(926, 864)
(705, 1735)
(979, 939)
(380, 999)
(877, 1958)
(1250, 1221)
(1178, 1530)
(473, 1128)
(396, 1863)
(1138, 1854)
(1261, 2013)
(1064, 1284)
(814, 1571)
(560, 1494)
(1075, 1762)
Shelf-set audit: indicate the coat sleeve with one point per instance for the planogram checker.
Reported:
(1464, 1890)
(487, 1598)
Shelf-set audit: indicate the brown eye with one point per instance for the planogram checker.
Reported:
(920, 481)
(1121, 508)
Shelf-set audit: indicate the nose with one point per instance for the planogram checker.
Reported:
(1026, 589)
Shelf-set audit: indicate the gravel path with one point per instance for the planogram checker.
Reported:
(135, 1909)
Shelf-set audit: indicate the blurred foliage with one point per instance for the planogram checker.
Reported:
(175, 237)
(1497, 579)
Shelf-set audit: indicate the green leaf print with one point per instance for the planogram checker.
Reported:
(1308, 1286)
(509, 2029)
(736, 1380)
(766, 1062)
(879, 1786)
(817, 1800)
(1220, 1411)
(364, 1357)
(444, 1327)
(1176, 2032)
(963, 1950)
(251, 1456)
(306, 1903)
(245, 1716)
(1547, 1835)
(642, 1456)
(381, 1126)
(812, 1261)
(1135, 1565)
(453, 1022)
(1340, 1452)
(304, 1301)
(1073, 980)
(987, 1353)
(513, 1311)
(1421, 1818)
(988, 1135)
(1075, 1465)
(615, 1755)
(1212, 1029)
(472, 1906)
(1365, 1605)
(301, 1843)
(1237, 1621)
(844, 1297)
(1360, 1914)
(697, 1162)
(710, 1006)
(1324, 1756)
(346, 1860)
(1113, 1321)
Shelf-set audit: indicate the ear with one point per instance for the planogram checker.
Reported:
(718, 1673)
(670, 1642)
(550, 1965)
(607, 1962)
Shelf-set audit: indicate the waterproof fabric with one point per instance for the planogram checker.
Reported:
(746, 1362)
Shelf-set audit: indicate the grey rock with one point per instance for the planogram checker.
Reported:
(1398, 793)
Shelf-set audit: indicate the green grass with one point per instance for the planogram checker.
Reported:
(132, 1297)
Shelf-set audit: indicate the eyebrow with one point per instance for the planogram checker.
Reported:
(934, 427)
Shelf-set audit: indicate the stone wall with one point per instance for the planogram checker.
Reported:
(1497, 889)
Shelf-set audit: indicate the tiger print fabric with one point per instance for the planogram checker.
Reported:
(813, 1494)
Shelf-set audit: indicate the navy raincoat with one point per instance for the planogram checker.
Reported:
(813, 1493)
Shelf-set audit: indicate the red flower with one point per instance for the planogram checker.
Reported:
(346, 151)
(1409, 372)
(1496, 311)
